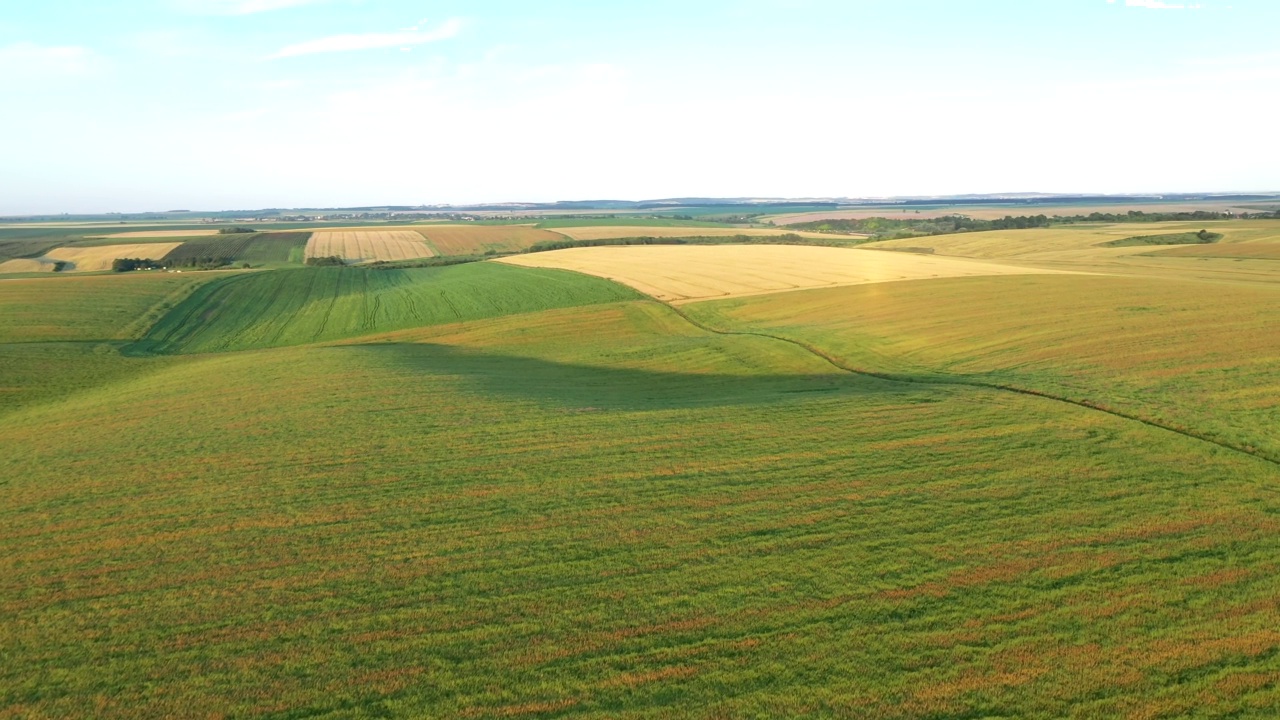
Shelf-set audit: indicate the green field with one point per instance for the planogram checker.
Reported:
(279, 247)
(491, 491)
(1187, 238)
(291, 307)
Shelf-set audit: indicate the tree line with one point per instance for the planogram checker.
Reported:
(880, 228)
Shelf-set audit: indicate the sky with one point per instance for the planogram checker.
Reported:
(242, 104)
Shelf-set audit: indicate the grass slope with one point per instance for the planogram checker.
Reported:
(240, 247)
(606, 512)
(59, 336)
(291, 307)
(1194, 355)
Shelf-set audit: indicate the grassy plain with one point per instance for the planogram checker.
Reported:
(686, 273)
(60, 336)
(1187, 354)
(606, 512)
(494, 491)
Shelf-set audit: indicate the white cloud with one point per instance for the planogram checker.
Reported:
(238, 7)
(27, 60)
(370, 41)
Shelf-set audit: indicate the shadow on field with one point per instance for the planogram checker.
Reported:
(589, 387)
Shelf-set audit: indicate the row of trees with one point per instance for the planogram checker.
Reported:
(327, 261)
(193, 263)
(880, 228)
(131, 264)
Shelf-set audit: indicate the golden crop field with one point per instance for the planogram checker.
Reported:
(359, 246)
(477, 239)
(25, 265)
(614, 232)
(90, 259)
(1242, 250)
(1078, 242)
(685, 273)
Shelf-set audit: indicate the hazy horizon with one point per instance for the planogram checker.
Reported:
(1046, 198)
(241, 104)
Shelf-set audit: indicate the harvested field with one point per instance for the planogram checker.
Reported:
(1244, 251)
(614, 232)
(687, 273)
(25, 266)
(359, 246)
(160, 234)
(478, 239)
(88, 259)
(1034, 243)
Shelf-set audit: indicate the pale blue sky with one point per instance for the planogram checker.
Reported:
(210, 104)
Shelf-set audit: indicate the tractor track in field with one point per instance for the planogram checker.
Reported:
(890, 377)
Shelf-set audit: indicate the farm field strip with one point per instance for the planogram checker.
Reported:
(194, 232)
(367, 246)
(307, 305)
(478, 239)
(255, 247)
(92, 259)
(615, 232)
(1242, 250)
(26, 265)
(688, 273)
(1080, 243)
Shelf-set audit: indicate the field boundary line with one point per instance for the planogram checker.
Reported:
(891, 377)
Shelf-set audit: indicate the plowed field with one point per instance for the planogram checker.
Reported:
(359, 246)
(685, 273)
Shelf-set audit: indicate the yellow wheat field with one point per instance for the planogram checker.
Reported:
(687, 273)
(89, 259)
(24, 265)
(359, 246)
(613, 232)
(140, 234)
